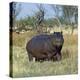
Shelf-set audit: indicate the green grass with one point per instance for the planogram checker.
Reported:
(23, 68)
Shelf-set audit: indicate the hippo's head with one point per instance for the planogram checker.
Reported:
(57, 38)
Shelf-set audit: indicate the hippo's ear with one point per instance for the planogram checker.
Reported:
(61, 32)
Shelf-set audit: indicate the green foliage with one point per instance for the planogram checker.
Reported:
(63, 15)
(51, 22)
(30, 20)
(15, 10)
(70, 14)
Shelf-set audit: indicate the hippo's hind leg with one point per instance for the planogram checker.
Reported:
(39, 59)
(36, 59)
(30, 57)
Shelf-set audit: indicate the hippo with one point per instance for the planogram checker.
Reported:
(45, 47)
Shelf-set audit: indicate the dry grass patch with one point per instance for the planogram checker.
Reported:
(23, 68)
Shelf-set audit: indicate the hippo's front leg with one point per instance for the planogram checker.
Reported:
(30, 57)
(58, 55)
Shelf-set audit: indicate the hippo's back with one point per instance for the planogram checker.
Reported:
(37, 44)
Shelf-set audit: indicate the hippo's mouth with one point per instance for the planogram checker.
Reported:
(57, 42)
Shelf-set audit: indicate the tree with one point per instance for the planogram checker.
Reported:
(57, 11)
(70, 15)
(15, 10)
(39, 15)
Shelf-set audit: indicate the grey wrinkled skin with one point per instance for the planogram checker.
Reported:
(45, 47)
